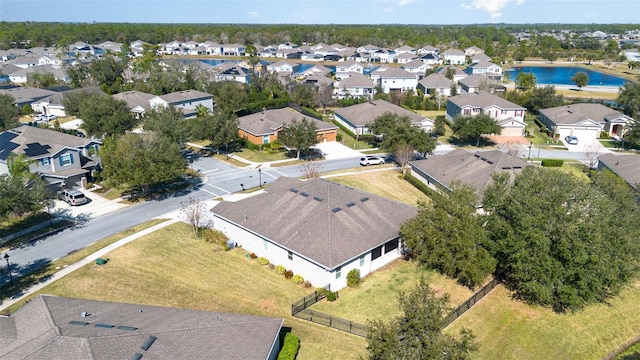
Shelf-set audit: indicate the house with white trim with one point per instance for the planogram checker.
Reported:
(486, 68)
(508, 115)
(318, 229)
(356, 85)
(454, 57)
(356, 118)
(137, 101)
(417, 67)
(186, 100)
(585, 121)
(396, 79)
(347, 68)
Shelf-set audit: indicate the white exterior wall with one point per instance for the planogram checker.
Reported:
(4, 169)
(393, 83)
(348, 125)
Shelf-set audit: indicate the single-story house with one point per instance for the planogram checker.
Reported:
(475, 83)
(458, 74)
(356, 85)
(473, 50)
(508, 115)
(357, 117)
(25, 95)
(585, 121)
(476, 169)
(137, 101)
(319, 229)
(319, 70)
(625, 166)
(52, 327)
(62, 160)
(187, 100)
(54, 104)
(284, 67)
(263, 127)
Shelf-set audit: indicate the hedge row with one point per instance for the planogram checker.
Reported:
(552, 162)
(344, 128)
(311, 112)
(421, 186)
(290, 347)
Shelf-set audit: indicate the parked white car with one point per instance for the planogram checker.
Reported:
(371, 160)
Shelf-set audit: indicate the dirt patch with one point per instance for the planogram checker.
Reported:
(499, 139)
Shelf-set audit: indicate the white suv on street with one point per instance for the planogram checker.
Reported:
(371, 160)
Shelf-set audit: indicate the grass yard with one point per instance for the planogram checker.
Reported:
(171, 268)
(384, 183)
(377, 296)
(352, 143)
(509, 329)
(261, 156)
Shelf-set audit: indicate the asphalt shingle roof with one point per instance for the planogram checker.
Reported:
(625, 166)
(320, 220)
(572, 114)
(366, 113)
(43, 331)
(269, 121)
(482, 100)
(49, 142)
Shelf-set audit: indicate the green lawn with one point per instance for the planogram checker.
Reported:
(353, 143)
(261, 156)
(171, 268)
(384, 183)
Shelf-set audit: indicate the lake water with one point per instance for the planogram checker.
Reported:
(561, 75)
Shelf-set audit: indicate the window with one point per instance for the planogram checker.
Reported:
(338, 272)
(376, 253)
(265, 244)
(467, 111)
(362, 261)
(290, 255)
(391, 245)
(44, 161)
(66, 159)
(265, 139)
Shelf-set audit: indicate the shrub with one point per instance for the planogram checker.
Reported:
(280, 269)
(353, 278)
(297, 279)
(330, 295)
(288, 274)
(263, 261)
(307, 284)
(275, 145)
(311, 112)
(213, 236)
(552, 162)
(253, 256)
(290, 347)
(604, 135)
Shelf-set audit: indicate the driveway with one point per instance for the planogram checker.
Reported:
(334, 150)
(96, 206)
(587, 146)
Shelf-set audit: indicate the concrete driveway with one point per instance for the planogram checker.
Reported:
(96, 206)
(586, 145)
(334, 150)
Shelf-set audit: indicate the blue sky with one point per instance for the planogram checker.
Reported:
(325, 12)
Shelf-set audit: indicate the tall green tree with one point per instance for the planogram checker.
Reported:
(542, 98)
(562, 242)
(525, 81)
(168, 122)
(229, 96)
(448, 235)
(20, 195)
(221, 129)
(8, 112)
(141, 161)
(417, 332)
(581, 79)
(102, 114)
(473, 127)
(397, 130)
(629, 99)
(299, 134)
(43, 80)
(107, 72)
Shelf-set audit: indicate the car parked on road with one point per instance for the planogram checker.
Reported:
(371, 160)
(72, 197)
(571, 140)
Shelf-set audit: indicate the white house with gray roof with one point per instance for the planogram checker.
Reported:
(435, 83)
(508, 115)
(454, 57)
(137, 101)
(347, 68)
(357, 117)
(585, 121)
(356, 85)
(319, 229)
(51, 327)
(396, 79)
(626, 166)
(187, 100)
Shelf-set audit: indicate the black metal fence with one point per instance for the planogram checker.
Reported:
(306, 301)
(462, 308)
(332, 321)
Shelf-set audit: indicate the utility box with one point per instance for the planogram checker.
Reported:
(100, 261)
(231, 244)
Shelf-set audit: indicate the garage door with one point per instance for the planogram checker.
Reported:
(580, 133)
(512, 131)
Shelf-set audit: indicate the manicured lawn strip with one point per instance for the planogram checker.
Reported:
(230, 160)
(353, 143)
(345, 172)
(384, 183)
(171, 268)
(509, 329)
(377, 296)
(11, 224)
(261, 156)
(587, 94)
(53, 267)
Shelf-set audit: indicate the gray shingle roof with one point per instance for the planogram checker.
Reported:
(181, 96)
(625, 166)
(50, 141)
(572, 114)
(312, 226)
(44, 332)
(482, 100)
(469, 168)
(356, 80)
(27, 94)
(397, 73)
(135, 98)
(366, 113)
(435, 81)
(269, 121)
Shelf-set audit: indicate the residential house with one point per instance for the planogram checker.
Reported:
(233, 49)
(396, 79)
(456, 73)
(137, 101)
(187, 101)
(111, 46)
(318, 229)
(229, 71)
(406, 49)
(486, 68)
(475, 169)
(427, 50)
(435, 84)
(263, 127)
(585, 121)
(319, 81)
(347, 68)
(21, 76)
(625, 166)
(356, 85)
(508, 115)
(54, 104)
(383, 56)
(479, 57)
(454, 57)
(62, 160)
(49, 327)
(404, 58)
(287, 45)
(26, 61)
(213, 48)
(357, 117)
(417, 67)
(370, 49)
(284, 67)
(25, 95)
(472, 51)
(476, 83)
(431, 59)
(319, 70)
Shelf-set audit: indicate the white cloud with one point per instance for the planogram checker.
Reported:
(493, 7)
(405, 2)
(254, 14)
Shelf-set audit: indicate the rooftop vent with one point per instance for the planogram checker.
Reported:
(517, 167)
(147, 343)
(304, 194)
(294, 190)
(317, 198)
(366, 198)
(335, 210)
(127, 328)
(350, 204)
(506, 168)
(104, 326)
(476, 155)
(81, 323)
(136, 356)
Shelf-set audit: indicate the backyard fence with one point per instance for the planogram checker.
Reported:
(332, 321)
(462, 308)
(306, 301)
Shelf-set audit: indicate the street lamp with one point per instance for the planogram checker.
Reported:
(530, 146)
(6, 257)
(260, 176)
